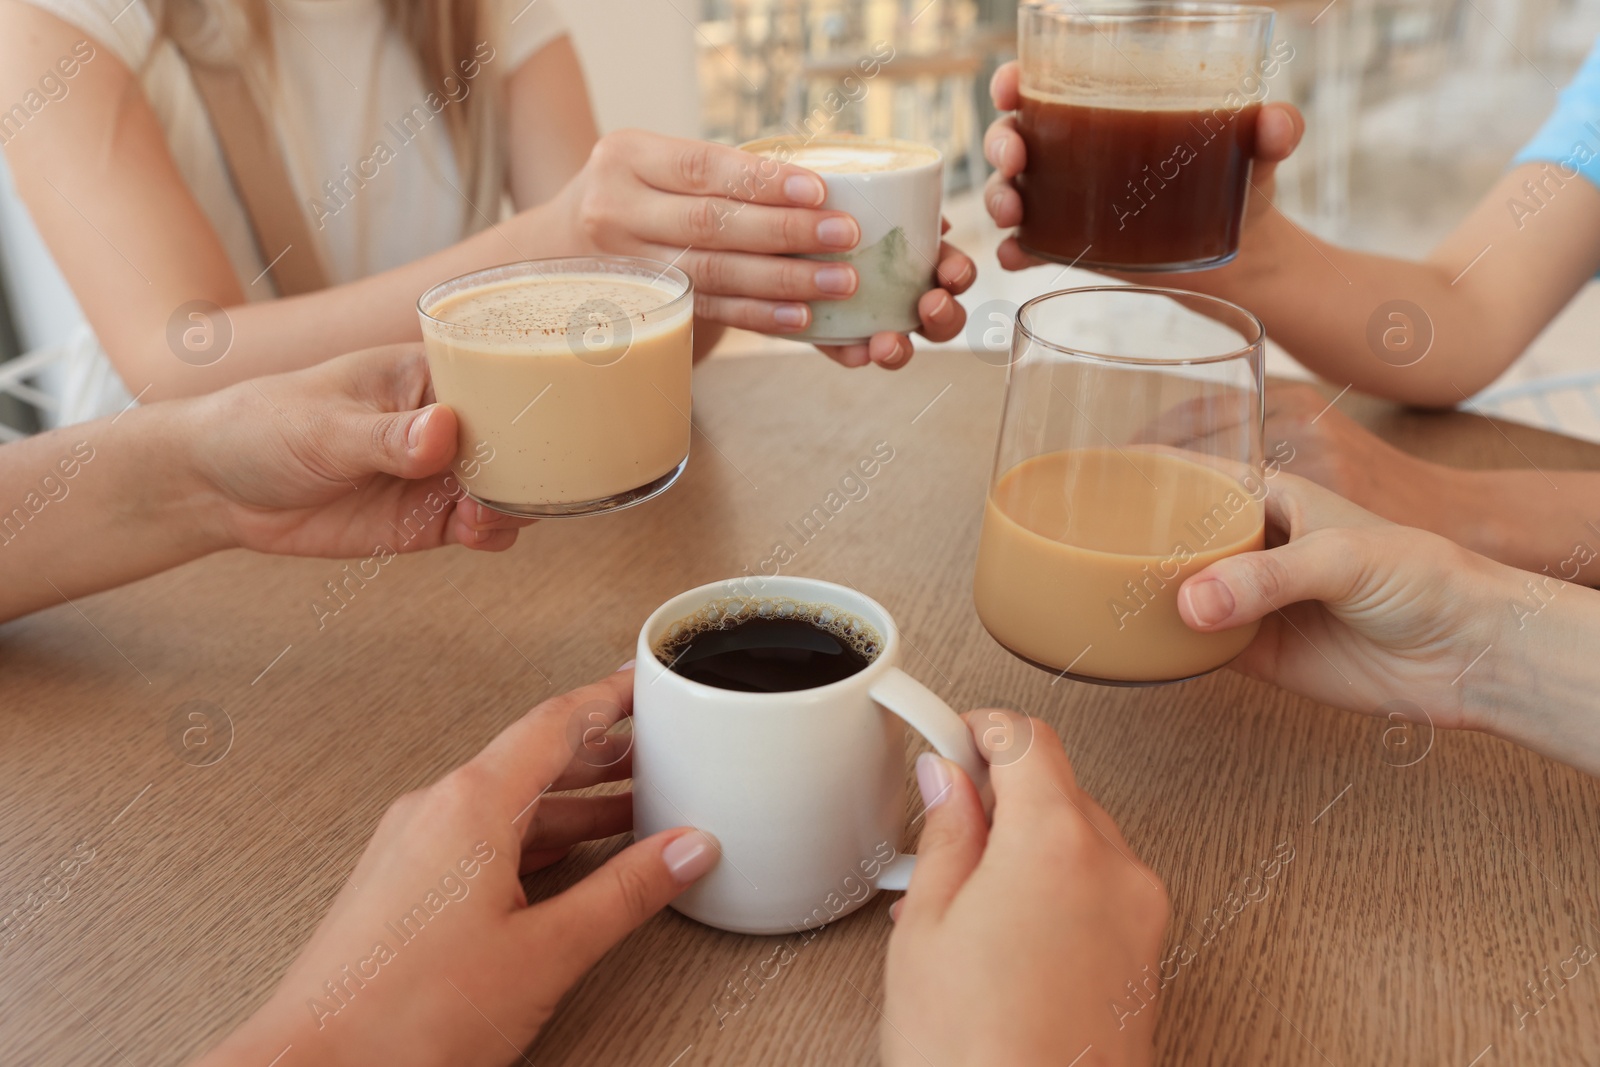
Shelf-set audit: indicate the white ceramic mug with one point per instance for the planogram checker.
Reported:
(805, 790)
(897, 206)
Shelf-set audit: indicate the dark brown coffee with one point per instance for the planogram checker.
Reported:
(1142, 190)
(768, 646)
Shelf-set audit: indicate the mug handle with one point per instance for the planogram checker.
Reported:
(926, 713)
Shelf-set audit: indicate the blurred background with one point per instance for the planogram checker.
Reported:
(1414, 108)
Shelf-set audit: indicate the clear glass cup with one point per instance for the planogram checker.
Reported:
(1140, 125)
(1129, 459)
(570, 379)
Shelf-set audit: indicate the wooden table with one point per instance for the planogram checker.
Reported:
(1419, 902)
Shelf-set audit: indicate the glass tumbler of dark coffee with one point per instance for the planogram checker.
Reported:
(1140, 125)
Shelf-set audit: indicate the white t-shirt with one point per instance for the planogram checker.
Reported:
(347, 83)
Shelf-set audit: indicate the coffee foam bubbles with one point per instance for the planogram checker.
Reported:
(835, 157)
(730, 612)
(533, 310)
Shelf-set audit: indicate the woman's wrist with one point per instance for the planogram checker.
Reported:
(1459, 510)
(1534, 684)
(266, 1035)
(1517, 518)
(115, 500)
(1449, 501)
(183, 436)
(553, 229)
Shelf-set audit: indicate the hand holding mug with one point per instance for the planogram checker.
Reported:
(1015, 941)
(432, 934)
(731, 221)
(771, 712)
(1278, 132)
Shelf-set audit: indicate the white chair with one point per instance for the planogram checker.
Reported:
(17, 377)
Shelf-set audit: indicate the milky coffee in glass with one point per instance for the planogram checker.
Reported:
(574, 371)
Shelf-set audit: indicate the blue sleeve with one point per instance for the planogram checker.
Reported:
(1570, 137)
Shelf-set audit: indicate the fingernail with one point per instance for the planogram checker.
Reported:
(894, 910)
(942, 307)
(690, 856)
(1210, 601)
(804, 190)
(625, 666)
(414, 434)
(838, 232)
(840, 281)
(792, 315)
(933, 780)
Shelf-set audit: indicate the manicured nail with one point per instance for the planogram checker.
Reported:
(894, 910)
(838, 232)
(933, 780)
(690, 856)
(790, 315)
(414, 433)
(838, 281)
(1210, 601)
(804, 190)
(626, 666)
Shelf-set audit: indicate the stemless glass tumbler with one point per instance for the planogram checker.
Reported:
(1129, 458)
(1140, 125)
(569, 379)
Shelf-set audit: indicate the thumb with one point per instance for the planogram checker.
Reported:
(579, 926)
(1005, 87)
(1243, 588)
(1279, 129)
(952, 842)
(406, 444)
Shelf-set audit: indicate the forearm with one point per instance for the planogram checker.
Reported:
(1431, 332)
(274, 336)
(94, 506)
(1547, 522)
(1390, 327)
(1536, 686)
(267, 1033)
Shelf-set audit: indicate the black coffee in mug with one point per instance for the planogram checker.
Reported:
(768, 646)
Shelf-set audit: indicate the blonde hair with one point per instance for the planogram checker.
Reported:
(442, 37)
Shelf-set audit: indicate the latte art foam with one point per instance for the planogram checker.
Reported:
(846, 156)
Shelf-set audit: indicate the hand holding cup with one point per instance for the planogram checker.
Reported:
(734, 222)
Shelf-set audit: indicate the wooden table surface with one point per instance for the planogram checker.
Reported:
(1420, 900)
